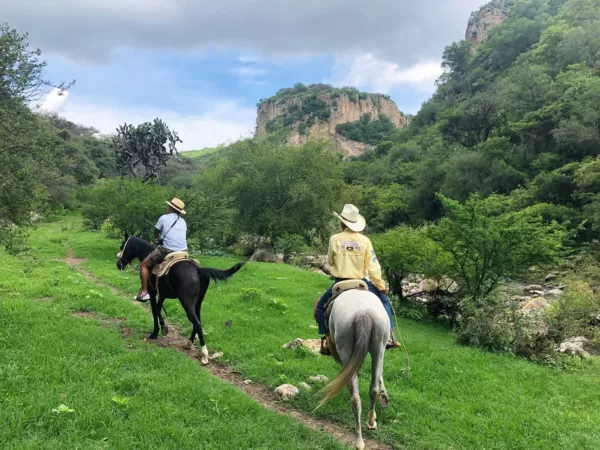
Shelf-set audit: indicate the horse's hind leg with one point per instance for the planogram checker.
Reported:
(376, 389)
(197, 329)
(154, 307)
(163, 327)
(356, 409)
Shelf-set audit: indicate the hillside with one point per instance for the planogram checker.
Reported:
(320, 109)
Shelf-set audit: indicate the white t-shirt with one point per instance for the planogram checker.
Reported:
(175, 239)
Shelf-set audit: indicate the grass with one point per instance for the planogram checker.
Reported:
(453, 397)
(123, 392)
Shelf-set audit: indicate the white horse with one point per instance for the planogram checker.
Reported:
(358, 325)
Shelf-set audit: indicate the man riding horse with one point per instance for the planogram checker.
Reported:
(351, 256)
(170, 234)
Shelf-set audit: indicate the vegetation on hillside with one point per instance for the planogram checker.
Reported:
(367, 130)
(300, 91)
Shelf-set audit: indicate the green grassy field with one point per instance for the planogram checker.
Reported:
(454, 397)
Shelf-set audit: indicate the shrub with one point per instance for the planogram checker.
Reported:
(576, 313)
(288, 244)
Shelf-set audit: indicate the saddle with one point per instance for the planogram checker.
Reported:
(340, 288)
(171, 259)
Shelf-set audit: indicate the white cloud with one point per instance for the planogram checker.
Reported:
(248, 71)
(53, 100)
(402, 31)
(225, 122)
(369, 71)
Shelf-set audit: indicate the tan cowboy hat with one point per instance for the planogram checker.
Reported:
(177, 205)
(351, 218)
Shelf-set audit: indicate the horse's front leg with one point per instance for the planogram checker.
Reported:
(164, 329)
(154, 306)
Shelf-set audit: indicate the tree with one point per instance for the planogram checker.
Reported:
(144, 149)
(488, 241)
(404, 251)
(278, 189)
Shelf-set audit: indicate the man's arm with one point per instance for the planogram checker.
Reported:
(330, 253)
(374, 269)
(156, 233)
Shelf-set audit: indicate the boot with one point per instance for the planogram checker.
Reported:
(324, 349)
(392, 342)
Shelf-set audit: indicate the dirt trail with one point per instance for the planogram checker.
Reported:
(262, 394)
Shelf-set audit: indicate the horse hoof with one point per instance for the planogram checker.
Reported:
(359, 445)
(165, 330)
(153, 336)
(384, 401)
(372, 426)
(204, 355)
(188, 345)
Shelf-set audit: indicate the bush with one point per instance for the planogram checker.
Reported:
(577, 313)
(288, 244)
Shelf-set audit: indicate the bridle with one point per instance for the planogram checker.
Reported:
(122, 260)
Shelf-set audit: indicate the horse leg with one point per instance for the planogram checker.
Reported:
(163, 327)
(375, 389)
(153, 304)
(356, 409)
(203, 349)
(197, 329)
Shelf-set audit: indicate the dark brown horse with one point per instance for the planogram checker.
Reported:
(185, 281)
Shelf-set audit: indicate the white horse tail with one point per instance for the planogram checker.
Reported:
(363, 329)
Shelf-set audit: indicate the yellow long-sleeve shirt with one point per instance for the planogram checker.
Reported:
(351, 255)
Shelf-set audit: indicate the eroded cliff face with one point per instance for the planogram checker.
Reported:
(342, 109)
(486, 18)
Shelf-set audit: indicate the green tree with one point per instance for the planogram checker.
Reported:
(278, 189)
(404, 251)
(143, 150)
(488, 241)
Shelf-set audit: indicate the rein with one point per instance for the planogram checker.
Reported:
(120, 256)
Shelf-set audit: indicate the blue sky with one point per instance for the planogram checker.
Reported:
(202, 65)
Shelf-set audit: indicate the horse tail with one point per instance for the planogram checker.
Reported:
(363, 329)
(219, 275)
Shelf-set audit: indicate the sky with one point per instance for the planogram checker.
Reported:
(203, 65)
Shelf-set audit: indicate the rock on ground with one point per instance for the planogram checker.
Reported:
(574, 346)
(305, 386)
(550, 277)
(286, 391)
(534, 304)
(319, 379)
(313, 345)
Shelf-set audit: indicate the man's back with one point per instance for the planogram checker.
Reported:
(173, 238)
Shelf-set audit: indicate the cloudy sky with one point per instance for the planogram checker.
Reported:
(202, 65)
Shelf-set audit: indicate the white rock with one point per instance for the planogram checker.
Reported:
(216, 355)
(305, 386)
(293, 344)
(287, 391)
(574, 347)
(532, 287)
(554, 293)
(247, 382)
(550, 277)
(521, 298)
(319, 379)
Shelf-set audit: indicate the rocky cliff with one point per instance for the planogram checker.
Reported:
(319, 110)
(483, 20)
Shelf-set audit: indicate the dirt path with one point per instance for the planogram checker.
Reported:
(262, 394)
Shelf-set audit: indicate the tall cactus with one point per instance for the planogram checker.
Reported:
(141, 151)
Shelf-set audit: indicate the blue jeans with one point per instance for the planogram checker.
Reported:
(328, 294)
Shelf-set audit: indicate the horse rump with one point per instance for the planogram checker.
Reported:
(362, 325)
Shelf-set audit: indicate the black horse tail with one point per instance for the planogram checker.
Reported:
(219, 275)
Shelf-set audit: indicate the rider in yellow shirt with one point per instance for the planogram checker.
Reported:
(351, 256)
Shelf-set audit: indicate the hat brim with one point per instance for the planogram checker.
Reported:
(357, 226)
(182, 211)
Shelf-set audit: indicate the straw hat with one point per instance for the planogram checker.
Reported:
(351, 218)
(177, 205)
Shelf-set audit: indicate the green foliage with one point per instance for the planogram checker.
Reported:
(300, 90)
(404, 251)
(489, 241)
(288, 244)
(144, 149)
(131, 206)
(277, 190)
(366, 130)
(575, 314)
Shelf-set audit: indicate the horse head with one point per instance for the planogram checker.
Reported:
(125, 255)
